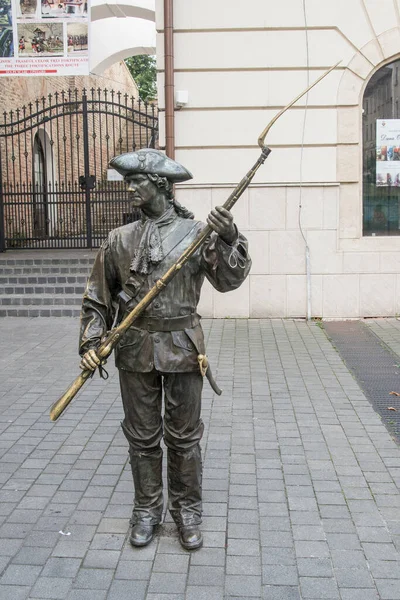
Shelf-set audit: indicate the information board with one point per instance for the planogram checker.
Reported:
(44, 37)
(388, 152)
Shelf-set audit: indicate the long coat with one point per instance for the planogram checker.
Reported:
(112, 290)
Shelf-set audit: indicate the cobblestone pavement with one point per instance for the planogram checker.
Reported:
(301, 479)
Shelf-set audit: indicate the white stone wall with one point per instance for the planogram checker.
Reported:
(243, 61)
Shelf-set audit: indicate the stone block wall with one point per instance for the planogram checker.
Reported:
(241, 63)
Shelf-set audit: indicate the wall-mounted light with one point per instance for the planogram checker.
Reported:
(181, 98)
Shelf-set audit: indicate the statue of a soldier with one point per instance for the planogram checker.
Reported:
(160, 352)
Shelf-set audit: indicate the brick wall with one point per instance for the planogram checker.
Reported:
(17, 91)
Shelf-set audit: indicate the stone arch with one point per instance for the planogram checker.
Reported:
(115, 39)
(121, 55)
(140, 9)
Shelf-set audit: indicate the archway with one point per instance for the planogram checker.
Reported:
(44, 205)
(115, 39)
(140, 9)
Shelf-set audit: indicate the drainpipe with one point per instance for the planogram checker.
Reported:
(169, 78)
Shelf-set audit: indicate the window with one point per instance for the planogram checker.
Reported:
(381, 154)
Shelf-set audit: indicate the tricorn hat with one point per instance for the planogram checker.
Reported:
(152, 161)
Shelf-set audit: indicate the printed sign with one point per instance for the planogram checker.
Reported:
(388, 152)
(44, 37)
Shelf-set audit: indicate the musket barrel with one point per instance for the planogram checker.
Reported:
(61, 404)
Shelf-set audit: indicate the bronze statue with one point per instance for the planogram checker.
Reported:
(128, 275)
(159, 353)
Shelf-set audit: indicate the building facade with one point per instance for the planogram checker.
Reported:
(240, 64)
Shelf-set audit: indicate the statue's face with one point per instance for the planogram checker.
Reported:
(142, 190)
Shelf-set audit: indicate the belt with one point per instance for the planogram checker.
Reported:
(154, 324)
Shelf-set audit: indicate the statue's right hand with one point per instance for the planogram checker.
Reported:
(90, 361)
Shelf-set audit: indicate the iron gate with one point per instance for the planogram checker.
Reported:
(56, 190)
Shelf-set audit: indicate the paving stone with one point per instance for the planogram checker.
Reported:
(308, 533)
(243, 531)
(380, 551)
(71, 549)
(165, 597)
(315, 567)
(280, 592)
(61, 567)
(171, 563)
(277, 539)
(312, 549)
(278, 556)
(243, 565)
(205, 575)
(238, 548)
(279, 575)
(384, 569)
(209, 556)
(127, 590)
(20, 575)
(374, 534)
(243, 586)
(87, 594)
(305, 518)
(363, 594)
(319, 588)
(204, 593)
(344, 541)
(388, 588)
(94, 579)
(32, 556)
(54, 588)
(166, 583)
(12, 592)
(101, 559)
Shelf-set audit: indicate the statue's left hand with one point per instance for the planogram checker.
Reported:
(221, 221)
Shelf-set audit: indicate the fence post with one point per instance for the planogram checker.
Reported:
(86, 169)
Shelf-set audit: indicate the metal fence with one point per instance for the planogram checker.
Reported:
(56, 190)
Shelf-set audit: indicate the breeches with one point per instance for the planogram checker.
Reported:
(182, 427)
(142, 401)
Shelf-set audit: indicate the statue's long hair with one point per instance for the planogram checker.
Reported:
(164, 184)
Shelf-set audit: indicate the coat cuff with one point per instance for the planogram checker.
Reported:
(237, 251)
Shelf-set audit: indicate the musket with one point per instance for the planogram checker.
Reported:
(112, 338)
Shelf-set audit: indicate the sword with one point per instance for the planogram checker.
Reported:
(112, 338)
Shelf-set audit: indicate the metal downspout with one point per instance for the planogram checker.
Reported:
(169, 78)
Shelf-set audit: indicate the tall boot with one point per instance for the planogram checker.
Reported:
(184, 486)
(147, 479)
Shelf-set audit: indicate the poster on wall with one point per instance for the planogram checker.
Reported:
(388, 152)
(44, 37)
